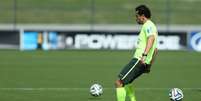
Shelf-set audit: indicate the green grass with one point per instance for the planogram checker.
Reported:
(106, 11)
(67, 75)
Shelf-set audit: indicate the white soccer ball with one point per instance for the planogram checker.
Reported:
(176, 94)
(96, 90)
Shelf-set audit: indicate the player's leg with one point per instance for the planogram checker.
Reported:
(123, 91)
(130, 92)
(120, 91)
(130, 72)
(135, 73)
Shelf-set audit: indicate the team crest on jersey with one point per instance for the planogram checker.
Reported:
(149, 30)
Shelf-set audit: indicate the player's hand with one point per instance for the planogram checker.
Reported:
(143, 59)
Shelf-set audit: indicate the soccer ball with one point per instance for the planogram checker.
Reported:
(96, 90)
(176, 94)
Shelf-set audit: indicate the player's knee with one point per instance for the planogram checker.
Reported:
(118, 83)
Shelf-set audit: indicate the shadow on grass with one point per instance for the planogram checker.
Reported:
(94, 98)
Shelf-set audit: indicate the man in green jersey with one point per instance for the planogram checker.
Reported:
(143, 57)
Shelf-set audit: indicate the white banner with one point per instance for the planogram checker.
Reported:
(115, 41)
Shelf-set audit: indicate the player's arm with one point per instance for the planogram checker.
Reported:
(150, 42)
(154, 55)
(148, 66)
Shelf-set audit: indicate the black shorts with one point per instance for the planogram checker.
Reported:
(131, 71)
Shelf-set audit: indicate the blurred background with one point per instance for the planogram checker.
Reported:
(170, 16)
(53, 50)
(168, 12)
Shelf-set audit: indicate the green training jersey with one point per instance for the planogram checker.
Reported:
(148, 29)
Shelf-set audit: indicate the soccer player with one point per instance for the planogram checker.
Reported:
(143, 57)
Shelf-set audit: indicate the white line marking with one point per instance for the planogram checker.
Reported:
(79, 89)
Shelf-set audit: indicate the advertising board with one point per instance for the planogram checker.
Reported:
(9, 39)
(194, 42)
(114, 40)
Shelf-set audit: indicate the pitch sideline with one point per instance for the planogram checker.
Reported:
(80, 89)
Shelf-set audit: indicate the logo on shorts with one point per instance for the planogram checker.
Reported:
(195, 41)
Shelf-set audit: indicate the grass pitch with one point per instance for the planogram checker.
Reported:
(67, 75)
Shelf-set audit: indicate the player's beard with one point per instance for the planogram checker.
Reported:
(139, 22)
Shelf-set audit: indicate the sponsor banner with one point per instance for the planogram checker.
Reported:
(194, 42)
(9, 39)
(29, 40)
(172, 40)
(117, 40)
(99, 40)
(32, 40)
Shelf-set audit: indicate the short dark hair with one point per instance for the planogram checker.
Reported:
(143, 10)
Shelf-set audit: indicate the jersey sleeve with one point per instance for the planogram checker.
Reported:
(149, 30)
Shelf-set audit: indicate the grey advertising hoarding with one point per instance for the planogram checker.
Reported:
(9, 39)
